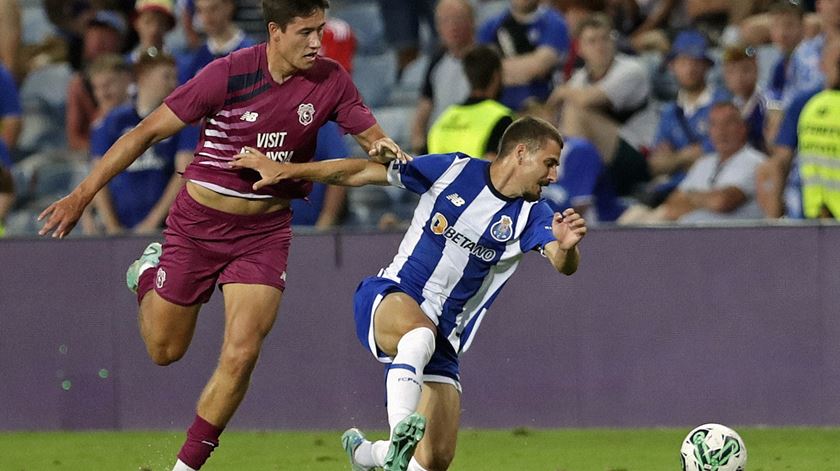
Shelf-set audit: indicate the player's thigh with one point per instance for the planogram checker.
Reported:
(250, 312)
(397, 314)
(440, 403)
(164, 322)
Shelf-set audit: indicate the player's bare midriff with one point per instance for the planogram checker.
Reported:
(233, 204)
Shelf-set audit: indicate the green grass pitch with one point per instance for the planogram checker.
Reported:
(770, 449)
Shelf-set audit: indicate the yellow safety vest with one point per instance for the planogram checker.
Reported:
(819, 154)
(466, 128)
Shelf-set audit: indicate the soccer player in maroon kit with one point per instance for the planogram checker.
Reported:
(273, 97)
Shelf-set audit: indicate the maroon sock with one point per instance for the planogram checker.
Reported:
(145, 283)
(202, 439)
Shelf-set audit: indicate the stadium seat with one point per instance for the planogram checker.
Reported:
(374, 76)
(396, 121)
(366, 21)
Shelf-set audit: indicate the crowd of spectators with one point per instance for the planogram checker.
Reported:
(679, 111)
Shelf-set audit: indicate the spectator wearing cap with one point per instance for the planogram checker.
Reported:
(223, 36)
(682, 134)
(104, 35)
(740, 75)
(533, 40)
(153, 19)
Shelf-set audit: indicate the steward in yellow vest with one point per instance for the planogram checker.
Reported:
(474, 127)
(819, 155)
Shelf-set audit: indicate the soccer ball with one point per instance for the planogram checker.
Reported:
(713, 447)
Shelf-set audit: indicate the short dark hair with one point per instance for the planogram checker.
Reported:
(283, 12)
(596, 20)
(480, 64)
(529, 130)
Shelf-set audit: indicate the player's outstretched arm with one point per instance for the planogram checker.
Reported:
(379, 146)
(568, 228)
(344, 172)
(62, 215)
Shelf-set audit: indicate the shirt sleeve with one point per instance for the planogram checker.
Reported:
(188, 138)
(626, 86)
(787, 135)
(350, 112)
(663, 128)
(9, 98)
(554, 33)
(5, 158)
(697, 178)
(740, 173)
(330, 143)
(537, 233)
(421, 173)
(103, 136)
(203, 94)
(585, 164)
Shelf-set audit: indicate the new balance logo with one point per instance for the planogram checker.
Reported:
(249, 116)
(455, 199)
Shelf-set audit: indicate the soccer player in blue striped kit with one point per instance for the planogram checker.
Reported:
(474, 221)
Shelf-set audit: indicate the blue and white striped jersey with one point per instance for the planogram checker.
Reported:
(464, 242)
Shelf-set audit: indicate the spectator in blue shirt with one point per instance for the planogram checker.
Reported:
(805, 72)
(682, 134)
(10, 109)
(533, 40)
(740, 75)
(324, 207)
(223, 36)
(139, 198)
(583, 184)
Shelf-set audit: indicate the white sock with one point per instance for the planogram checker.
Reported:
(413, 465)
(181, 466)
(374, 455)
(363, 456)
(405, 377)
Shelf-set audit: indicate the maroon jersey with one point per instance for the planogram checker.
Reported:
(239, 104)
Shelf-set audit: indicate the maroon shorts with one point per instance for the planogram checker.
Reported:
(204, 246)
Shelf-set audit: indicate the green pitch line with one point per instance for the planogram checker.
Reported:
(770, 449)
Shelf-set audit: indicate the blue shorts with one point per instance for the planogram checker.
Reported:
(442, 367)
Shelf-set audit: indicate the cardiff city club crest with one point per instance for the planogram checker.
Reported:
(306, 112)
(501, 230)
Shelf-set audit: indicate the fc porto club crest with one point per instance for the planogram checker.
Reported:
(502, 229)
(306, 112)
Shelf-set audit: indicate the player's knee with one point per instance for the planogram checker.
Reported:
(165, 354)
(420, 339)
